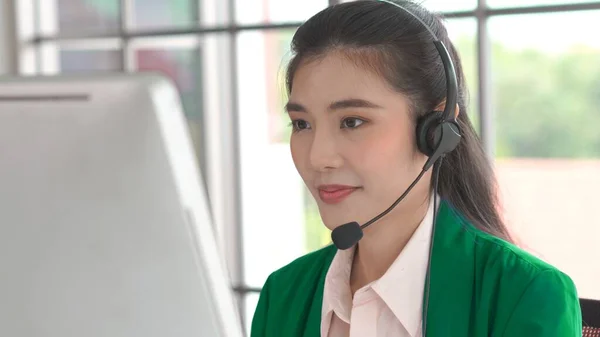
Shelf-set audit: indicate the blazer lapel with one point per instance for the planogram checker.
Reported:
(452, 275)
(312, 328)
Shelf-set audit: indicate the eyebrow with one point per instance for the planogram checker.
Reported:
(338, 105)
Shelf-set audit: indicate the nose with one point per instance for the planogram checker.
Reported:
(324, 154)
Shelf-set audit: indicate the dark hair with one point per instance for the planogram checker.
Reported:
(395, 45)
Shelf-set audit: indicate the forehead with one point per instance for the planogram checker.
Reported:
(335, 77)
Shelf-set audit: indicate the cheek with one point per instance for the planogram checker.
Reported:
(298, 149)
(386, 149)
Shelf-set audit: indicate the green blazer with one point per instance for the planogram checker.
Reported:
(480, 286)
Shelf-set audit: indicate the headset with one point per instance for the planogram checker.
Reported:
(438, 134)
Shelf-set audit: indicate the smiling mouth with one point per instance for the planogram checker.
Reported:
(334, 195)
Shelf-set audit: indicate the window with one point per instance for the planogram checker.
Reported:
(251, 302)
(180, 60)
(156, 14)
(463, 33)
(537, 106)
(89, 60)
(80, 17)
(272, 191)
(546, 85)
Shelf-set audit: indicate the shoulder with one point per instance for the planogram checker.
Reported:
(530, 296)
(515, 263)
(290, 292)
(541, 300)
(307, 268)
(490, 254)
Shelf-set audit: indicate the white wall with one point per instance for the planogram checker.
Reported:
(8, 45)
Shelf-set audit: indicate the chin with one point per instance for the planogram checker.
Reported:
(332, 221)
(336, 215)
(329, 220)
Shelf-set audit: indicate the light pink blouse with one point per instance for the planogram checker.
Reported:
(389, 306)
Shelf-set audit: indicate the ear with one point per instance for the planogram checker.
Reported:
(456, 111)
(442, 105)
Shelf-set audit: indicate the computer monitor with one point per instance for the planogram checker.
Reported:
(105, 228)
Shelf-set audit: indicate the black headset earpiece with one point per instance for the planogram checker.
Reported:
(436, 137)
(424, 135)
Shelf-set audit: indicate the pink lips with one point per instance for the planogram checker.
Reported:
(333, 194)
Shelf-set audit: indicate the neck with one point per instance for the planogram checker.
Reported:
(384, 241)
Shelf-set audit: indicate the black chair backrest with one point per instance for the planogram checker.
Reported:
(590, 312)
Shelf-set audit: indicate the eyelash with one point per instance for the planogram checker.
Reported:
(295, 128)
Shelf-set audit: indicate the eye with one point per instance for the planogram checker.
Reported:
(351, 122)
(299, 125)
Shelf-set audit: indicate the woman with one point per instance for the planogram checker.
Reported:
(363, 77)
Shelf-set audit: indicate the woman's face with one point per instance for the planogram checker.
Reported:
(353, 141)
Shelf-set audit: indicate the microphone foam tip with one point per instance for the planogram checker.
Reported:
(346, 235)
